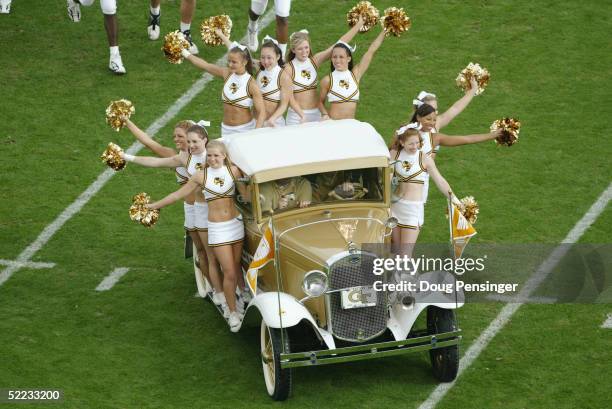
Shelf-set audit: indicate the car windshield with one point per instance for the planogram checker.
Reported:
(362, 185)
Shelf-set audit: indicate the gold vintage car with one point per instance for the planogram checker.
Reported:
(325, 190)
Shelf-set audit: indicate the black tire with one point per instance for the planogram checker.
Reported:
(444, 361)
(278, 381)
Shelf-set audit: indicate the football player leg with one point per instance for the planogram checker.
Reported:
(282, 9)
(153, 28)
(74, 8)
(109, 9)
(187, 10)
(5, 6)
(255, 11)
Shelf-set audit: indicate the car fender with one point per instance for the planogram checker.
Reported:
(402, 319)
(292, 312)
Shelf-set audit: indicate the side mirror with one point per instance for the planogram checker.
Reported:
(390, 224)
(244, 179)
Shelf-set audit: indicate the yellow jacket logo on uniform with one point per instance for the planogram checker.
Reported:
(233, 87)
(306, 74)
(344, 84)
(406, 165)
(198, 166)
(265, 81)
(219, 181)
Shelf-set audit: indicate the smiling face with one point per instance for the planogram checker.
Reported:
(340, 59)
(215, 157)
(236, 63)
(428, 122)
(180, 139)
(196, 143)
(302, 50)
(412, 142)
(268, 57)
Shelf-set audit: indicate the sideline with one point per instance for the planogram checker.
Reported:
(76, 206)
(530, 286)
(112, 279)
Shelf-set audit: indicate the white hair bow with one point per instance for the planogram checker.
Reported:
(235, 44)
(417, 102)
(424, 94)
(203, 123)
(268, 38)
(412, 125)
(303, 31)
(353, 48)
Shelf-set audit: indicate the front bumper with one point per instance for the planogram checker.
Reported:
(370, 351)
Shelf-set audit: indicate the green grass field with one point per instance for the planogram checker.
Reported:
(149, 343)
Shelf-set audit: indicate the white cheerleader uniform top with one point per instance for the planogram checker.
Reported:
(304, 75)
(343, 87)
(181, 175)
(218, 183)
(194, 163)
(410, 167)
(428, 147)
(236, 91)
(269, 84)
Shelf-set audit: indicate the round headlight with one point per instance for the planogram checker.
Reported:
(315, 283)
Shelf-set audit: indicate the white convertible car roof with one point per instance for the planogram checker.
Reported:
(272, 153)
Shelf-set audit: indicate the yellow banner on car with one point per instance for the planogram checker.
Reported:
(263, 255)
(461, 231)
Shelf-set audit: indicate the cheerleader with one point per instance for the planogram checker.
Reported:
(341, 86)
(217, 181)
(187, 162)
(425, 115)
(273, 81)
(240, 92)
(302, 68)
(410, 172)
(447, 116)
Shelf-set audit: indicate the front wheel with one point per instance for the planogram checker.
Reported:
(278, 381)
(444, 361)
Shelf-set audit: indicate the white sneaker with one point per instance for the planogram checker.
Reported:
(193, 49)
(240, 306)
(234, 321)
(252, 40)
(153, 29)
(226, 310)
(246, 296)
(74, 11)
(116, 65)
(218, 298)
(5, 6)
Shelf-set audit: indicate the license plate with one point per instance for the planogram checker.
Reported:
(358, 297)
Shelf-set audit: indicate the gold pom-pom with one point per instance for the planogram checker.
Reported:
(367, 11)
(208, 26)
(139, 212)
(480, 74)
(112, 157)
(395, 21)
(510, 131)
(116, 113)
(469, 209)
(174, 43)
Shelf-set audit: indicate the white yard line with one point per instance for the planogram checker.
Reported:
(531, 285)
(27, 264)
(111, 279)
(608, 322)
(76, 206)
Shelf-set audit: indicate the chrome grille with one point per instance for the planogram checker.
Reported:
(356, 324)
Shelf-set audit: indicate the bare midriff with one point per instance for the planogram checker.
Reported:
(221, 210)
(410, 191)
(344, 110)
(235, 116)
(307, 99)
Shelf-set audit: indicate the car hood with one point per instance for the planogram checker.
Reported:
(319, 235)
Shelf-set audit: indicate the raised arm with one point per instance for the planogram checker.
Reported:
(226, 40)
(446, 117)
(204, 65)
(286, 94)
(446, 140)
(182, 193)
(258, 103)
(441, 183)
(325, 83)
(347, 37)
(151, 162)
(362, 67)
(146, 140)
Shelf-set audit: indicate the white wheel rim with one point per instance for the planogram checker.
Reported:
(267, 352)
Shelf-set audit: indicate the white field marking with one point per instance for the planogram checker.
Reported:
(509, 309)
(111, 279)
(608, 322)
(27, 264)
(105, 176)
(515, 298)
